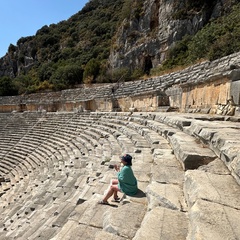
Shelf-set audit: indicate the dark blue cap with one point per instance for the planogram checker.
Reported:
(127, 158)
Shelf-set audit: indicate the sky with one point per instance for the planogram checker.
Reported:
(22, 18)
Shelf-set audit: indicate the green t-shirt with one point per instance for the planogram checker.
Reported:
(127, 182)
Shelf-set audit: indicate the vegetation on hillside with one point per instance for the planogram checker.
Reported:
(76, 51)
(217, 39)
(68, 53)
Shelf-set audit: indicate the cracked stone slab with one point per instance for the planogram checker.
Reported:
(74, 230)
(159, 224)
(160, 174)
(191, 154)
(235, 168)
(166, 195)
(210, 220)
(216, 167)
(223, 139)
(221, 189)
(90, 212)
(124, 220)
(103, 235)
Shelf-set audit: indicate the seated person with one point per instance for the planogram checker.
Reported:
(125, 182)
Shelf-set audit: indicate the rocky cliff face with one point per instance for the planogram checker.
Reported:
(142, 42)
(19, 58)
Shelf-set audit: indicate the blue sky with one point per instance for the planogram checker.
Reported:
(22, 18)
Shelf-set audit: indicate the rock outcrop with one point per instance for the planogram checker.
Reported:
(142, 41)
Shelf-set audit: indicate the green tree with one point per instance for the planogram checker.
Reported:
(45, 71)
(66, 76)
(7, 87)
(91, 71)
(25, 84)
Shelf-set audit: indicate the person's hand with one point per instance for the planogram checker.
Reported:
(117, 168)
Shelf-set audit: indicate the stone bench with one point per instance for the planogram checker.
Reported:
(58, 198)
(124, 133)
(213, 131)
(213, 196)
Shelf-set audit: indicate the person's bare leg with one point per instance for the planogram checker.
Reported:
(115, 182)
(115, 195)
(108, 195)
(112, 191)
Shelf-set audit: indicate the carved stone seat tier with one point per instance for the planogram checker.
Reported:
(58, 168)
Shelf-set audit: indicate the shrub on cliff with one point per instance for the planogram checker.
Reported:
(7, 87)
(217, 39)
(66, 76)
(84, 36)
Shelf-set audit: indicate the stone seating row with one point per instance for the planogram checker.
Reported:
(217, 232)
(59, 140)
(191, 155)
(218, 171)
(53, 194)
(110, 219)
(215, 133)
(124, 134)
(65, 236)
(154, 166)
(24, 147)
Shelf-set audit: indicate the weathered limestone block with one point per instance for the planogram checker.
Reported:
(163, 224)
(89, 212)
(103, 235)
(164, 174)
(230, 151)
(142, 171)
(125, 220)
(164, 165)
(63, 216)
(226, 144)
(234, 166)
(74, 230)
(217, 188)
(205, 134)
(177, 122)
(165, 155)
(215, 167)
(209, 220)
(235, 89)
(165, 195)
(189, 153)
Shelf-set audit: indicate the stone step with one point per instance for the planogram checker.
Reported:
(70, 172)
(163, 223)
(213, 201)
(190, 153)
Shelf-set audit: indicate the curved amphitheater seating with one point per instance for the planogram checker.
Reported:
(54, 167)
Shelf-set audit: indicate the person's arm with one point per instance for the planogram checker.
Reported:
(122, 174)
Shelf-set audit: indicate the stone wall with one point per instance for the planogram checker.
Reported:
(235, 91)
(202, 87)
(206, 95)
